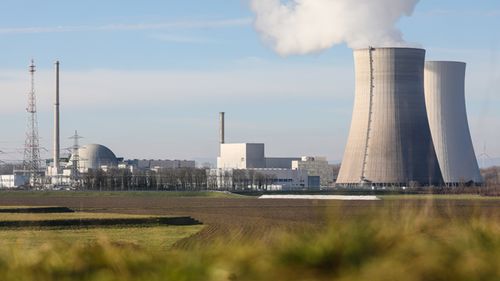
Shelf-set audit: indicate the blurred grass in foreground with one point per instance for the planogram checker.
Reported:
(413, 244)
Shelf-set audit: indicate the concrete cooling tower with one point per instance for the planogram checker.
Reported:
(389, 142)
(445, 101)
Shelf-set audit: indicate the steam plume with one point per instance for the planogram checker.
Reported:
(305, 26)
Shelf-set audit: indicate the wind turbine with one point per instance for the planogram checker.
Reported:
(484, 156)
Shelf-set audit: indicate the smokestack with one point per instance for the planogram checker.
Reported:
(221, 127)
(56, 122)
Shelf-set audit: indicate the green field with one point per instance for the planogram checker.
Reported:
(154, 237)
(65, 216)
(146, 236)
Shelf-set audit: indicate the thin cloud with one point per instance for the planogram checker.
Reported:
(494, 13)
(123, 88)
(170, 38)
(130, 27)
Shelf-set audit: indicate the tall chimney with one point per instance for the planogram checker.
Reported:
(221, 125)
(56, 122)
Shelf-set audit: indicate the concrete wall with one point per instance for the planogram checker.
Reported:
(445, 101)
(255, 155)
(280, 162)
(389, 141)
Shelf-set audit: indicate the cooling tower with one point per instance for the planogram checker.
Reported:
(389, 141)
(445, 101)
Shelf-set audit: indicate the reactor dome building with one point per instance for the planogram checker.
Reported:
(389, 142)
(445, 101)
(95, 156)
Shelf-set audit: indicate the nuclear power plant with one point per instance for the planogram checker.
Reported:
(445, 101)
(402, 133)
(409, 128)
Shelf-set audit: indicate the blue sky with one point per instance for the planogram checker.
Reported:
(148, 78)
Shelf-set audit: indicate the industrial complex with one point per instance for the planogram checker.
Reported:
(249, 161)
(409, 128)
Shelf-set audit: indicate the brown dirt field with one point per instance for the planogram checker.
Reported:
(240, 218)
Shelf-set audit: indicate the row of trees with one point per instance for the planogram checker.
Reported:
(189, 179)
(182, 179)
(192, 179)
(242, 180)
(6, 169)
(491, 176)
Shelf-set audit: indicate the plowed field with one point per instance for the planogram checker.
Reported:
(240, 218)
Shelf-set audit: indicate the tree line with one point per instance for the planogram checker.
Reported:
(193, 179)
(178, 179)
(114, 179)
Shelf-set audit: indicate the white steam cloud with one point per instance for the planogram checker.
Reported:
(305, 26)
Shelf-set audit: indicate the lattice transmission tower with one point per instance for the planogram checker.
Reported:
(75, 157)
(32, 161)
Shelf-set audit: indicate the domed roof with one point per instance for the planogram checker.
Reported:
(93, 156)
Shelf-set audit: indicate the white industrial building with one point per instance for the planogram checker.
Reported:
(248, 156)
(248, 160)
(251, 156)
(241, 156)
